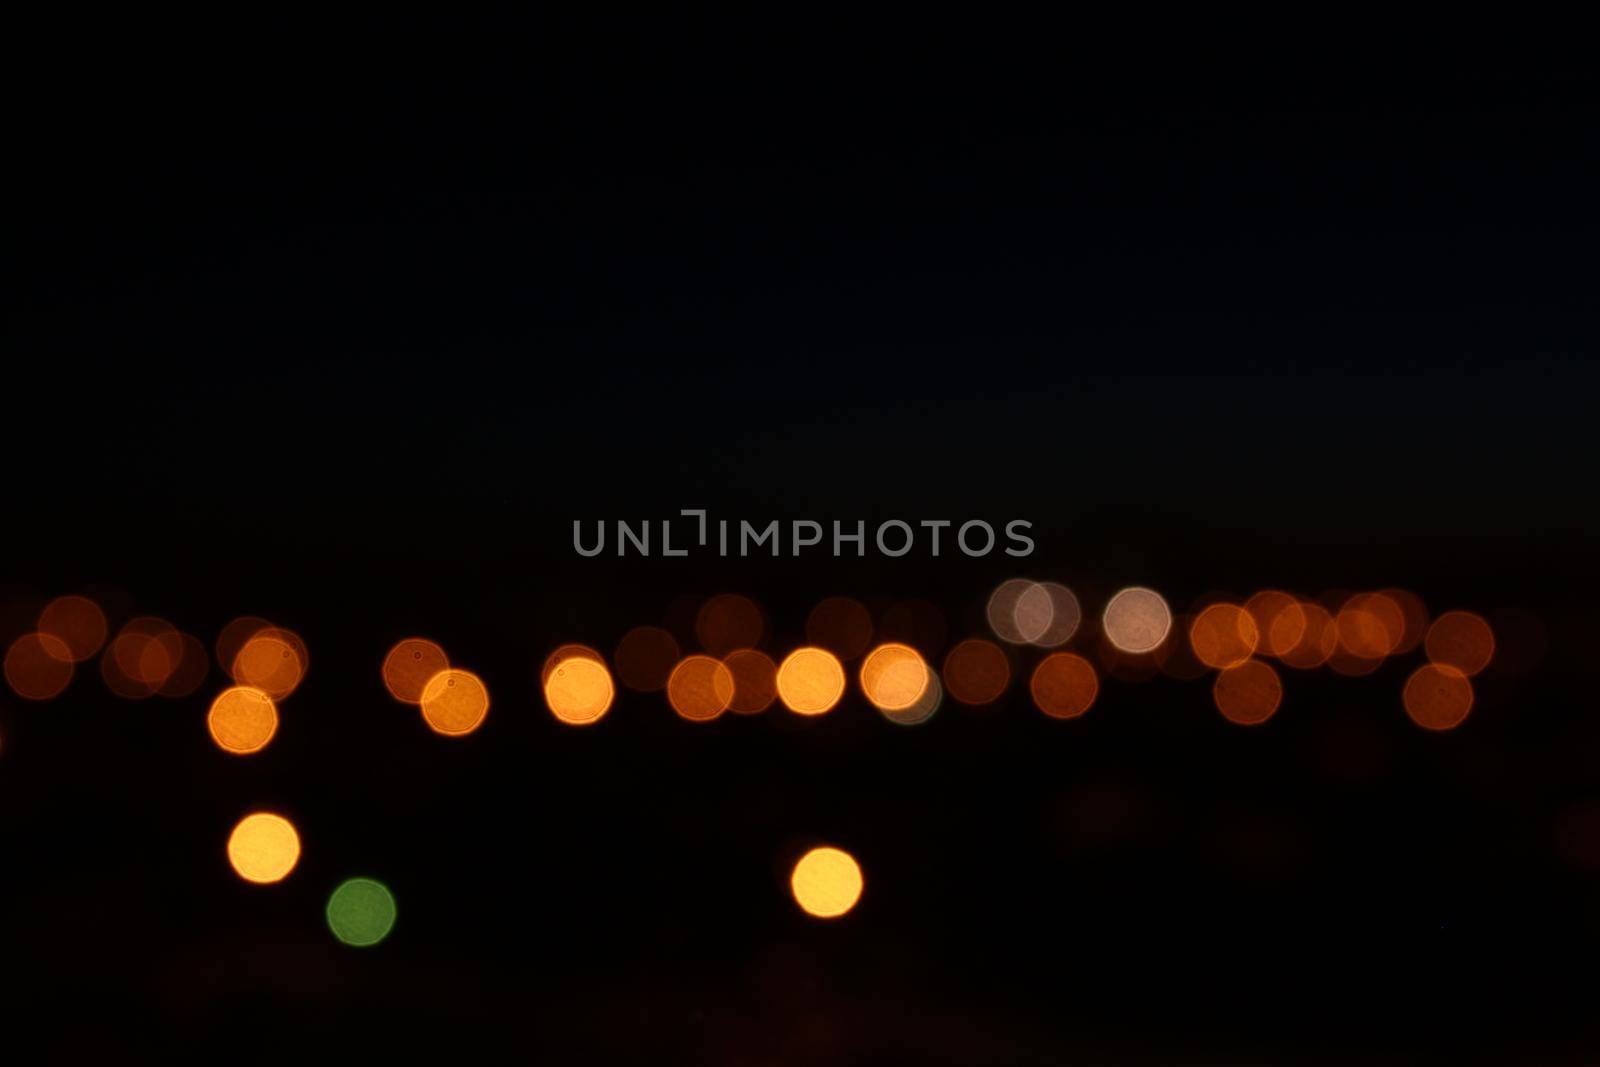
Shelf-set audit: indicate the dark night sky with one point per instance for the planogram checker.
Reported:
(346, 324)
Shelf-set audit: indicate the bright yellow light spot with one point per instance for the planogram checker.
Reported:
(242, 720)
(894, 677)
(578, 690)
(700, 688)
(1137, 620)
(826, 882)
(454, 702)
(408, 667)
(263, 848)
(810, 681)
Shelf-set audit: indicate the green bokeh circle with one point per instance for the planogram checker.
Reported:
(361, 912)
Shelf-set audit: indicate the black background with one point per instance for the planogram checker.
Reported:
(345, 325)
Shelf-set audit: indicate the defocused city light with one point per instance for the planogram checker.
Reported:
(1437, 696)
(700, 688)
(1223, 636)
(1280, 621)
(273, 660)
(1318, 638)
(841, 625)
(810, 681)
(455, 702)
(893, 677)
(1461, 640)
(1248, 693)
(263, 848)
(361, 912)
(38, 666)
(755, 680)
(77, 622)
(578, 689)
(192, 669)
(1136, 620)
(242, 720)
(1064, 685)
(729, 621)
(645, 657)
(826, 882)
(976, 672)
(409, 665)
(920, 712)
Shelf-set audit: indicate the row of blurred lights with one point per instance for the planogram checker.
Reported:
(1233, 641)
(267, 663)
(730, 673)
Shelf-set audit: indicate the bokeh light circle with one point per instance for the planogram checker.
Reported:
(700, 688)
(38, 666)
(810, 680)
(409, 665)
(193, 667)
(1370, 626)
(729, 621)
(1001, 610)
(976, 672)
(841, 625)
(1319, 638)
(578, 690)
(1223, 636)
(1437, 696)
(263, 848)
(920, 712)
(826, 882)
(1248, 693)
(1461, 640)
(361, 912)
(645, 657)
(894, 677)
(1280, 621)
(1064, 685)
(755, 680)
(272, 660)
(1136, 620)
(77, 622)
(454, 702)
(242, 720)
